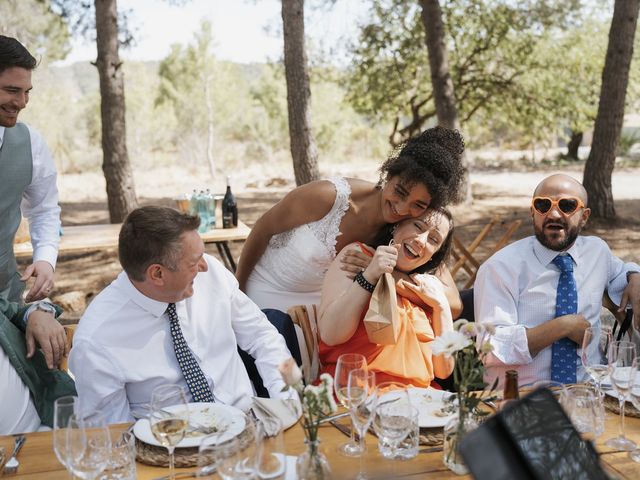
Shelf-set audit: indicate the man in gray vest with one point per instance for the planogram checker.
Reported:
(27, 184)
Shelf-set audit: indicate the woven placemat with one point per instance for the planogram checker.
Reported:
(183, 457)
(432, 437)
(612, 404)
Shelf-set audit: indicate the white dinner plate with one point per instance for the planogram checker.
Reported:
(229, 420)
(430, 403)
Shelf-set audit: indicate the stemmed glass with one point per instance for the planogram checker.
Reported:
(621, 356)
(362, 400)
(88, 446)
(63, 409)
(169, 417)
(595, 344)
(634, 395)
(346, 363)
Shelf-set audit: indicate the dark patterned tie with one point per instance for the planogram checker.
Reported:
(196, 381)
(563, 352)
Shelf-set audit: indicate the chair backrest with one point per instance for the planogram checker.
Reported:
(305, 323)
(69, 330)
(465, 256)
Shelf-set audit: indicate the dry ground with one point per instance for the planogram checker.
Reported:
(495, 193)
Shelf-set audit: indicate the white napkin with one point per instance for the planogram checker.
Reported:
(286, 411)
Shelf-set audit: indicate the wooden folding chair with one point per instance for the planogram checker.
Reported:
(464, 256)
(304, 321)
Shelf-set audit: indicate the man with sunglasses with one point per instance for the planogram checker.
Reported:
(529, 295)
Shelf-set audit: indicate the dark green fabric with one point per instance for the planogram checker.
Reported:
(44, 384)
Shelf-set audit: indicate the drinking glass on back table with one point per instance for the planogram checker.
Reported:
(346, 363)
(595, 345)
(621, 356)
(88, 446)
(168, 418)
(63, 408)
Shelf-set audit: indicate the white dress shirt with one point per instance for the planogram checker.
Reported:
(516, 289)
(122, 348)
(40, 201)
(18, 413)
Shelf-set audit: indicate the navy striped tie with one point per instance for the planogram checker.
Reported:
(563, 352)
(196, 381)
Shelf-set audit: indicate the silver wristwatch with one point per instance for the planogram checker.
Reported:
(46, 307)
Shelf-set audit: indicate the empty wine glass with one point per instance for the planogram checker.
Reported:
(347, 362)
(634, 395)
(63, 409)
(363, 401)
(595, 344)
(621, 356)
(168, 418)
(88, 446)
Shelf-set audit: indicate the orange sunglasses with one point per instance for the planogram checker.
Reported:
(566, 205)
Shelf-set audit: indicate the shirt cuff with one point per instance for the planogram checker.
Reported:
(510, 347)
(26, 314)
(46, 253)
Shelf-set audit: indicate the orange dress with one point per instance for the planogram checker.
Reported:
(409, 361)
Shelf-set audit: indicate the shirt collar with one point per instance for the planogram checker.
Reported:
(1, 135)
(545, 255)
(154, 307)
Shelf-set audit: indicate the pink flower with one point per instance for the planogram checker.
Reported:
(291, 373)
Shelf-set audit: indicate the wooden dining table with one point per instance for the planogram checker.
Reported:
(81, 239)
(38, 461)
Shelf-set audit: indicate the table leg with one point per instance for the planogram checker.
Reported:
(225, 255)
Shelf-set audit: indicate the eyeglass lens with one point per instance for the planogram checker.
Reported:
(566, 205)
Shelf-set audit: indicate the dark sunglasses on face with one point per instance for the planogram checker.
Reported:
(566, 205)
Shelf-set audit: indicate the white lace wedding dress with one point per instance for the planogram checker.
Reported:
(293, 266)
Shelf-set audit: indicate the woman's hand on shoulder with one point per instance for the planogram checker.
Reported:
(354, 260)
(430, 290)
(383, 261)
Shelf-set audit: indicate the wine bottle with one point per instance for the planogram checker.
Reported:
(229, 208)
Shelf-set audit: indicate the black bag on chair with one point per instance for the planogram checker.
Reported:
(531, 439)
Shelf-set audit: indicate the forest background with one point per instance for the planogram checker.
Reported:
(527, 79)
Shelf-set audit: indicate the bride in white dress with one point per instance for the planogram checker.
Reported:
(291, 246)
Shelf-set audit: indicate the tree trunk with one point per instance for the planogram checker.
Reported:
(121, 193)
(303, 147)
(606, 133)
(206, 79)
(574, 144)
(443, 93)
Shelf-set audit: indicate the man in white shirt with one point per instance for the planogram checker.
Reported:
(132, 336)
(517, 288)
(27, 181)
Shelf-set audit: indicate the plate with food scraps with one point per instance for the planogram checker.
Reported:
(431, 405)
(204, 419)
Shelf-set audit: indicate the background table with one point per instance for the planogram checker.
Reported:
(37, 460)
(78, 239)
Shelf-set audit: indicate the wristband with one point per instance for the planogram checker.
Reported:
(364, 283)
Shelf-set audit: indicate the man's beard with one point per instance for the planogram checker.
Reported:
(571, 233)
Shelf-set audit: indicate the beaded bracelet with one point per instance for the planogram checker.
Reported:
(364, 283)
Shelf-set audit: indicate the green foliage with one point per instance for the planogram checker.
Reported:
(517, 67)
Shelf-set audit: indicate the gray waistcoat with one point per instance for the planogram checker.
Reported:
(16, 171)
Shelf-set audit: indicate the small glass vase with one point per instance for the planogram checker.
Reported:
(312, 464)
(454, 432)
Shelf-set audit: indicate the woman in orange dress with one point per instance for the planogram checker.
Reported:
(419, 247)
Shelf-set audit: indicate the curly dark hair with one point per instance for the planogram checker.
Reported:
(433, 158)
(439, 258)
(14, 54)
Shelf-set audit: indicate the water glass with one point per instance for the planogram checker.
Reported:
(88, 446)
(229, 459)
(398, 394)
(406, 447)
(121, 464)
(347, 362)
(272, 459)
(63, 409)
(634, 396)
(585, 408)
(621, 356)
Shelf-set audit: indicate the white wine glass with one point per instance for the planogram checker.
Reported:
(621, 356)
(347, 362)
(363, 401)
(634, 395)
(63, 409)
(168, 418)
(595, 345)
(88, 446)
